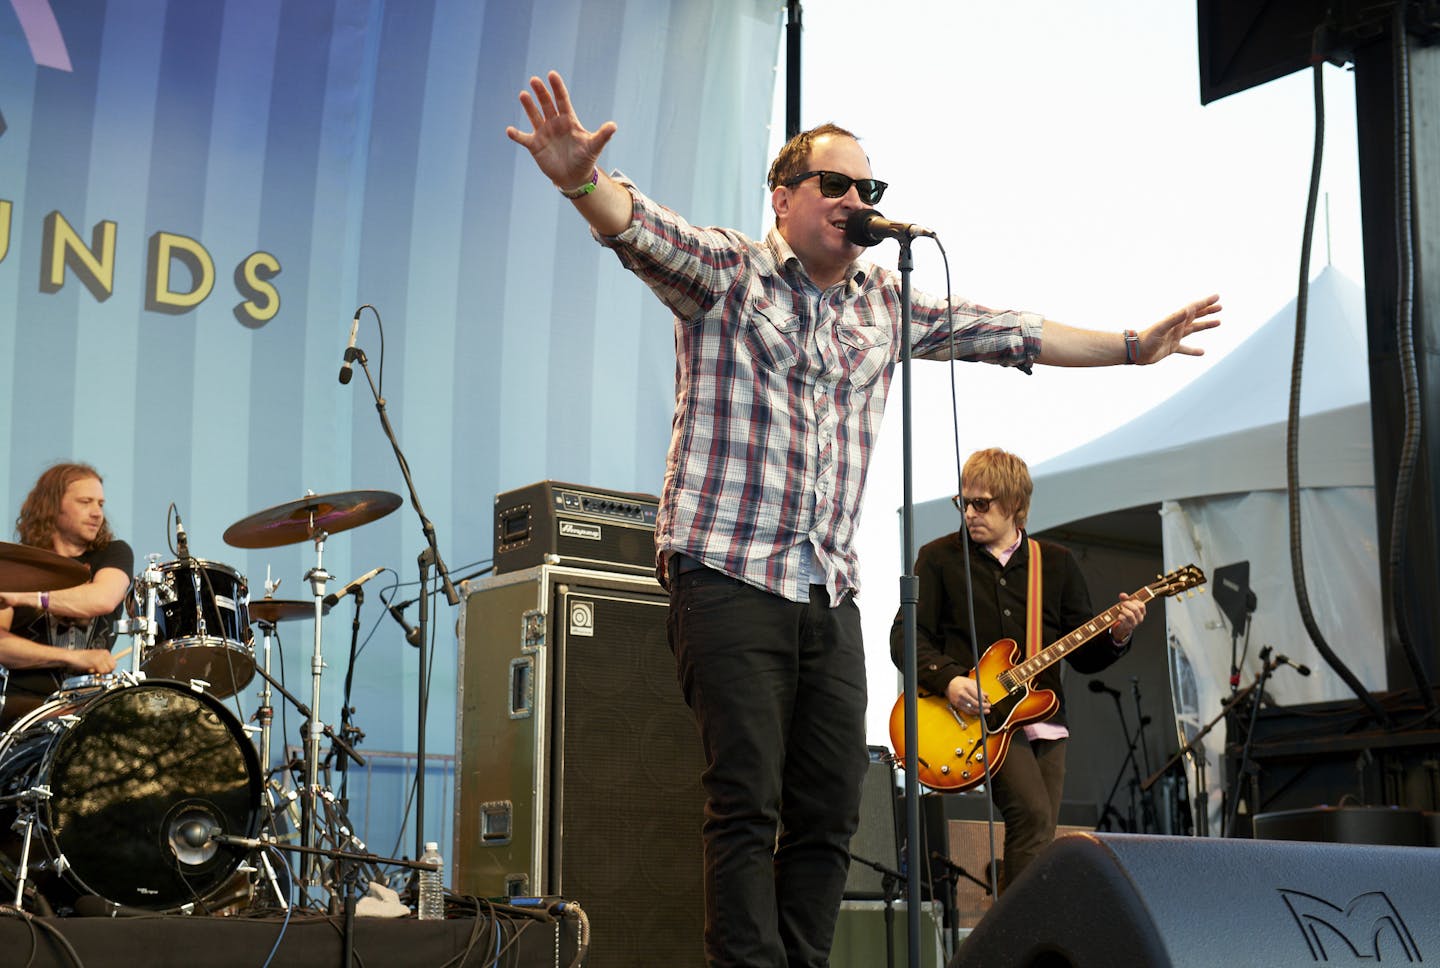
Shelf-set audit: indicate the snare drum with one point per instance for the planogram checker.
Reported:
(202, 626)
(133, 771)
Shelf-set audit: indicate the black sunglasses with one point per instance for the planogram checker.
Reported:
(980, 504)
(833, 185)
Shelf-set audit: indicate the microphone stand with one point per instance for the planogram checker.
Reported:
(430, 556)
(889, 886)
(909, 599)
(346, 730)
(1130, 763)
(1195, 749)
(1267, 666)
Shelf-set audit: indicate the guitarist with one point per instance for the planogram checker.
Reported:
(46, 637)
(996, 486)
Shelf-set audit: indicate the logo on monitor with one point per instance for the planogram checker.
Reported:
(1368, 927)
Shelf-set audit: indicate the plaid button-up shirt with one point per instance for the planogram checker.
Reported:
(779, 392)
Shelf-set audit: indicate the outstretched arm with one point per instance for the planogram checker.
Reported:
(1069, 346)
(569, 155)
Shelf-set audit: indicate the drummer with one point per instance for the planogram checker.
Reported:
(46, 637)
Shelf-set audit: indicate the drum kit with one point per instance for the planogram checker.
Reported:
(140, 788)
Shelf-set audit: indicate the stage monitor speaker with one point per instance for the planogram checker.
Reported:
(970, 851)
(578, 764)
(877, 839)
(1100, 900)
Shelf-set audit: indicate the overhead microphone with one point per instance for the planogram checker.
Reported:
(334, 597)
(1097, 685)
(346, 371)
(868, 227)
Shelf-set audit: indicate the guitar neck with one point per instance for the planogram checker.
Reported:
(1053, 653)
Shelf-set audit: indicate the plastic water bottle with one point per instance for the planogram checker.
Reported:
(431, 906)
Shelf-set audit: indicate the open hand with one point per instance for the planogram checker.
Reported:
(1168, 335)
(562, 147)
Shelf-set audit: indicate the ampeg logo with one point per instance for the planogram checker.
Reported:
(582, 618)
(572, 529)
(1368, 927)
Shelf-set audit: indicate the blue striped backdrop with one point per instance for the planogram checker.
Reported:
(361, 144)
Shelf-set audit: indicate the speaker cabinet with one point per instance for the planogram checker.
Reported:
(578, 764)
(877, 839)
(1100, 900)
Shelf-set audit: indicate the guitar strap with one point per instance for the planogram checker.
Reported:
(1033, 609)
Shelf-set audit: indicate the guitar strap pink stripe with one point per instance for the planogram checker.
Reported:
(1033, 609)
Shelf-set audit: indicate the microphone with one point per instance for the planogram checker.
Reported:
(1098, 686)
(334, 597)
(182, 543)
(1299, 667)
(397, 612)
(345, 368)
(868, 227)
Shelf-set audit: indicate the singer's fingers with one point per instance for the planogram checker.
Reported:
(542, 97)
(562, 93)
(601, 138)
(532, 110)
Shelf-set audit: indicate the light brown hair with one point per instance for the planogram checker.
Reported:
(36, 524)
(1005, 476)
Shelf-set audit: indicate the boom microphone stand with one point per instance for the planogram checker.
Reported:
(431, 555)
(868, 227)
(909, 599)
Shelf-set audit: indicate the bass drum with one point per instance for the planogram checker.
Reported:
(139, 776)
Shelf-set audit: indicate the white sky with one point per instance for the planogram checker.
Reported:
(1061, 153)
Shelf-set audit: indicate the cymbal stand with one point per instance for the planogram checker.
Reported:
(314, 799)
(317, 577)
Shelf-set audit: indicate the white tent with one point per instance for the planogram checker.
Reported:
(1210, 460)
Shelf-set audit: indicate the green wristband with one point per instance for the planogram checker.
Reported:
(584, 189)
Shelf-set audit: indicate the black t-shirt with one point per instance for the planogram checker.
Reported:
(30, 623)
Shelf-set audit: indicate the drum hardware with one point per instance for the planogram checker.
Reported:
(312, 518)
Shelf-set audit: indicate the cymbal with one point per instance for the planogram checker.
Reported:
(298, 521)
(283, 609)
(27, 569)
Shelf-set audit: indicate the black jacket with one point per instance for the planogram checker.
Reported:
(944, 647)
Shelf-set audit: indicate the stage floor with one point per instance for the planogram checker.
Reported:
(308, 939)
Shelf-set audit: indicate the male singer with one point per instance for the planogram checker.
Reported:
(784, 351)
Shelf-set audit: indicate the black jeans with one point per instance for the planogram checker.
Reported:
(778, 691)
(1027, 793)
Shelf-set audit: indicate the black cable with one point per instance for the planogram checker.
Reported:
(1405, 341)
(1292, 430)
(975, 645)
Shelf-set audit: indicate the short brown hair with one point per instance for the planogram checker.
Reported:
(36, 524)
(795, 156)
(1005, 476)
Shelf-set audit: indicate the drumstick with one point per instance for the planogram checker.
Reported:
(124, 652)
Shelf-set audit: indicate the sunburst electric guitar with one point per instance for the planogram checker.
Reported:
(953, 747)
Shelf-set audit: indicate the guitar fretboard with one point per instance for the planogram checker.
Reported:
(1017, 676)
